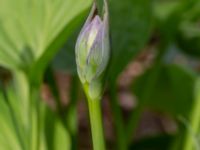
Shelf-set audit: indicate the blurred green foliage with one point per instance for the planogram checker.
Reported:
(32, 33)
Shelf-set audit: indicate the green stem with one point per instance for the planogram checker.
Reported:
(118, 119)
(35, 118)
(29, 97)
(189, 142)
(23, 90)
(96, 124)
(95, 115)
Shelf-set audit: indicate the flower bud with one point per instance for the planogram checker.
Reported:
(92, 50)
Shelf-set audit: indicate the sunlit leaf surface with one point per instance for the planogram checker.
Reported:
(28, 27)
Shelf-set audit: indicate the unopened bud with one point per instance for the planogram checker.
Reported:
(92, 50)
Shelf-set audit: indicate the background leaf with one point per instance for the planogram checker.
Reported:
(131, 23)
(188, 37)
(172, 92)
(65, 58)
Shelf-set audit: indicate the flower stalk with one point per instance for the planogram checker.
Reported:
(92, 57)
(96, 122)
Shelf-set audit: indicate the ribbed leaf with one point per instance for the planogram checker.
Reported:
(28, 27)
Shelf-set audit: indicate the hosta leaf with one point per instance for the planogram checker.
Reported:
(65, 59)
(29, 27)
(130, 30)
(172, 92)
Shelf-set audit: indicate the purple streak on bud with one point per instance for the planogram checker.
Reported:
(95, 27)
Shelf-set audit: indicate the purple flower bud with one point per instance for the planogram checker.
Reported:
(92, 47)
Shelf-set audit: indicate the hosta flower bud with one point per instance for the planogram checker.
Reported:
(92, 50)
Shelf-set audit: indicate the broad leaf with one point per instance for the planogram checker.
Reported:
(172, 93)
(29, 27)
(65, 59)
(130, 29)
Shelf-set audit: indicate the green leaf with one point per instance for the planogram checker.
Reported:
(65, 58)
(169, 14)
(29, 28)
(187, 136)
(188, 37)
(163, 9)
(172, 92)
(131, 22)
(178, 21)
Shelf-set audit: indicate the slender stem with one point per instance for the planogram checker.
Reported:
(118, 119)
(29, 97)
(95, 115)
(189, 142)
(22, 88)
(35, 116)
(96, 124)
